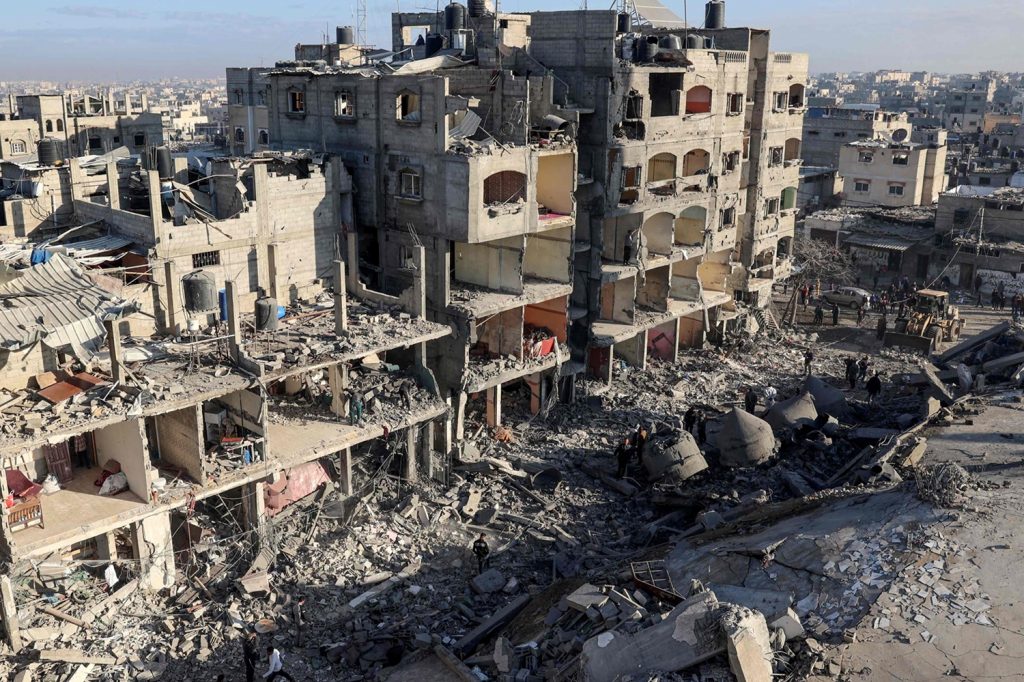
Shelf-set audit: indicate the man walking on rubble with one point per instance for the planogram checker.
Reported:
(750, 400)
(250, 655)
(851, 372)
(874, 388)
(622, 455)
(355, 409)
(275, 668)
(819, 314)
(481, 550)
(835, 314)
(862, 368)
(808, 359)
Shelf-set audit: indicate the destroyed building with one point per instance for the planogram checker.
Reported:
(898, 170)
(827, 129)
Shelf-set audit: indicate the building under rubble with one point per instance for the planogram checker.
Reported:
(398, 242)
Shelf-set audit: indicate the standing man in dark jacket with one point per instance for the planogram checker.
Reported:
(481, 550)
(622, 455)
(250, 655)
(750, 400)
(640, 443)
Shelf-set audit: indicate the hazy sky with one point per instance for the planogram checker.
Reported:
(108, 40)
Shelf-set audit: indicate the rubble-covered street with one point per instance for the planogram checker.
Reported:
(873, 539)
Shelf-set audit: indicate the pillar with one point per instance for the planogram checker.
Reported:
(171, 298)
(419, 282)
(345, 470)
(337, 381)
(273, 267)
(494, 406)
(117, 370)
(106, 546)
(409, 465)
(77, 178)
(113, 187)
(426, 454)
(340, 299)
(9, 613)
(234, 321)
(536, 384)
(352, 271)
(253, 505)
(156, 212)
(151, 543)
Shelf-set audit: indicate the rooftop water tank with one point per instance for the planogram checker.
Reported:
(625, 23)
(671, 42)
(454, 16)
(477, 8)
(714, 14)
(346, 35)
(266, 314)
(164, 163)
(48, 151)
(200, 291)
(693, 42)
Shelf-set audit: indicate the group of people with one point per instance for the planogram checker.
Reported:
(632, 446)
(857, 372)
(251, 658)
(819, 314)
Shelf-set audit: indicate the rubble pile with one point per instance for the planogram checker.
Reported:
(790, 539)
(944, 485)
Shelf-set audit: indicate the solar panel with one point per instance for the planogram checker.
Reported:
(657, 15)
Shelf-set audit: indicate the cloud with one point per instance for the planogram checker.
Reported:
(100, 12)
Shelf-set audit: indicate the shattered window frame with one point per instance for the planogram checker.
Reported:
(901, 158)
(866, 157)
(344, 104)
(631, 171)
(410, 184)
(296, 101)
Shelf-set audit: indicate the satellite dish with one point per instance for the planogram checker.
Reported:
(899, 135)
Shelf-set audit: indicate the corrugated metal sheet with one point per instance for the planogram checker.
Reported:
(884, 243)
(55, 302)
(90, 247)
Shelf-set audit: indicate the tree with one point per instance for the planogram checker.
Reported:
(816, 261)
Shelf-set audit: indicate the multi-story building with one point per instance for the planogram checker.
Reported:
(826, 130)
(884, 172)
(966, 105)
(93, 125)
(247, 127)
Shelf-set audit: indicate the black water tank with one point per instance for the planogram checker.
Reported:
(693, 42)
(709, 43)
(477, 8)
(346, 35)
(714, 14)
(648, 48)
(200, 291)
(455, 16)
(671, 42)
(266, 314)
(48, 151)
(625, 23)
(435, 42)
(164, 163)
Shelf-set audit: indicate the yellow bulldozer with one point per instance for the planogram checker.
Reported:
(930, 321)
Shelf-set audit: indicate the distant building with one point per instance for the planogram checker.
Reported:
(826, 130)
(886, 172)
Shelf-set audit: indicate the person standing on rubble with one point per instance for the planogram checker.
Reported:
(355, 409)
(882, 324)
(702, 428)
(860, 315)
(750, 400)
(690, 419)
(622, 456)
(804, 291)
(835, 314)
(851, 372)
(819, 314)
(630, 252)
(862, 368)
(275, 668)
(808, 359)
(250, 655)
(874, 388)
(640, 443)
(482, 551)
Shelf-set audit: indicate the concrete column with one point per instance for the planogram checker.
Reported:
(9, 614)
(419, 283)
(117, 371)
(156, 212)
(494, 406)
(536, 384)
(106, 546)
(151, 542)
(409, 465)
(340, 299)
(113, 189)
(419, 354)
(426, 454)
(234, 321)
(345, 470)
(337, 381)
(254, 511)
(77, 177)
(352, 266)
(273, 263)
(447, 429)
(170, 298)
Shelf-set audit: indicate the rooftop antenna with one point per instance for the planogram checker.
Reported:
(361, 22)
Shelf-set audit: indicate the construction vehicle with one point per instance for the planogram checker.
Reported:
(931, 320)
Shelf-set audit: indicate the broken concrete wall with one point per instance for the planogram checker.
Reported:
(556, 181)
(179, 440)
(549, 255)
(654, 291)
(503, 333)
(19, 365)
(125, 443)
(552, 315)
(496, 264)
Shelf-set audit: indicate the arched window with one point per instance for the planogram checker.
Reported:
(264, 136)
(661, 167)
(696, 161)
(657, 233)
(239, 135)
(49, 126)
(60, 125)
(796, 96)
(504, 187)
(698, 100)
(690, 225)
